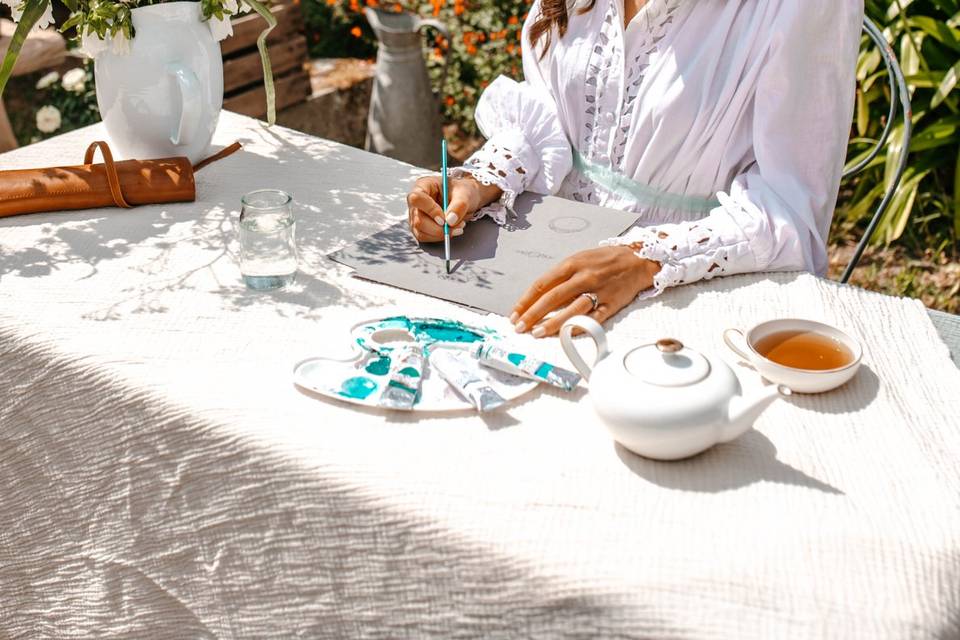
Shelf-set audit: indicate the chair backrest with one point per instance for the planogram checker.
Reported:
(898, 94)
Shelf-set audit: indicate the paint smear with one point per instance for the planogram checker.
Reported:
(358, 388)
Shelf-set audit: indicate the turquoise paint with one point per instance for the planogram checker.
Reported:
(380, 366)
(431, 330)
(516, 358)
(358, 388)
(410, 372)
(543, 370)
(398, 385)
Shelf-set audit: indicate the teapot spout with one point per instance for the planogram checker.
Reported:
(743, 411)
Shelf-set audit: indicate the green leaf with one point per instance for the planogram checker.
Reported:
(946, 86)
(32, 11)
(269, 89)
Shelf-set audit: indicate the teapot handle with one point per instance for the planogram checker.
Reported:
(595, 331)
(442, 29)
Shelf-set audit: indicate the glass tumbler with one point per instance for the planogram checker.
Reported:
(268, 249)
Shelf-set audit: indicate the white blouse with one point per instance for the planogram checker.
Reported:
(722, 123)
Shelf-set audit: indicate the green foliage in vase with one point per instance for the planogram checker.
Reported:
(108, 25)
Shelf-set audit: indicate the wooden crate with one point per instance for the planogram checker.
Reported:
(243, 90)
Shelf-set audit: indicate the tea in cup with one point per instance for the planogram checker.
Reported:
(807, 356)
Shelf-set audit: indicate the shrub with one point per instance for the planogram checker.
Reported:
(925, 37)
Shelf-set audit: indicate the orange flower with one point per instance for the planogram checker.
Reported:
(437, 4)
(355, 32)
(372, 3)
(330, 3)
(354, 5)
(398, 7)
(457, 9)
(450, 101)
(510, 48)
(512, 20)
(471, 50)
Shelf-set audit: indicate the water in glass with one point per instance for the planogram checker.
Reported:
(268, 251)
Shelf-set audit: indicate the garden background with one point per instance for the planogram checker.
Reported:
(915, 250)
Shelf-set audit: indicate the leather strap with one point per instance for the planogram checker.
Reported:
(223, 153)
(112, 178)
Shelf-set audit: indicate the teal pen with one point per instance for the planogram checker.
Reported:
(446, 227)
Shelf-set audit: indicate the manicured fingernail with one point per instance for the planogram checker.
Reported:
(457, 232)
(521, 326)
(514, 317)
(438, 220)
(539, 332)
(451, 218)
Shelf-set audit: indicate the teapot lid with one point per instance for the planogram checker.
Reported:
(667, 363)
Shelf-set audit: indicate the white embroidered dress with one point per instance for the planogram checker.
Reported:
(723, 123)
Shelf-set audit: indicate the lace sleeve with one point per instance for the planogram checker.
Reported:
(688, 252)
(499, 163)
(526, 149)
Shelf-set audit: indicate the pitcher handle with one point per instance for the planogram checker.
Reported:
(191, 108)
(442, 28)
(595, 331)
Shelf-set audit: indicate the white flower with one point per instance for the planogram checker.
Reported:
(119, 44)
(235, 7)
(16, 12)
(48, 119)
(75, 80)
(91, 45)
(220, 28)
(48, 80)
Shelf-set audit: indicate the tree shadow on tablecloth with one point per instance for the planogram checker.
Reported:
(748, 459)
(161, 249)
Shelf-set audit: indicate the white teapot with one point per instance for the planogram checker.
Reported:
(664, 400)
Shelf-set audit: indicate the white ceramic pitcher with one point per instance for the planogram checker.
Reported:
(164, 96)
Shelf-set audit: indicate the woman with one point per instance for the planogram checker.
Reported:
(722, 123)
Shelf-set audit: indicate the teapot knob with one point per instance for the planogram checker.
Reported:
(669, 345)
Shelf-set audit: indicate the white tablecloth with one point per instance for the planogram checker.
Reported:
(160, 476)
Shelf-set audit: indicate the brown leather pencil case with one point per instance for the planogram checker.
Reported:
(111, 184)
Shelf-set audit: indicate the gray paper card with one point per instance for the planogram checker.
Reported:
(491, 266)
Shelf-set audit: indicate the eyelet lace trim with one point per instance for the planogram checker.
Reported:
(666, 247)
(657, 17)
(494, 164)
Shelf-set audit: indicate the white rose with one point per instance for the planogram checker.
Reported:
(48, 80)
(75, 80)
(48, 119)
(220, 28)
(16, 11)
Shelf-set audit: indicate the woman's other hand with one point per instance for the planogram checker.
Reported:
(615, 275)
(424, 209)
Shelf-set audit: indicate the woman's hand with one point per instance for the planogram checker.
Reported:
(615, 275)
(426, 216)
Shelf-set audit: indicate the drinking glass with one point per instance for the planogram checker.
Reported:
(268, 250)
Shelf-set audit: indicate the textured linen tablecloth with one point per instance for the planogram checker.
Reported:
(160, 476)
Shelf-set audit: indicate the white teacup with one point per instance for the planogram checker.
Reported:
(801, 380)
